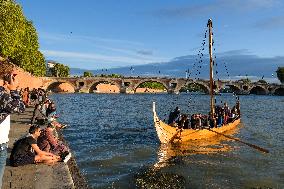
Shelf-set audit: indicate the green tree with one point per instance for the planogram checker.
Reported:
(59, 70)
(19, 39)
(262, 81)
(245, 81)
(115, 75)
(111, 75)
(192, 87)
(280, 74)
(152, 85)
(12, 27)
(88, 74)
(5, 67)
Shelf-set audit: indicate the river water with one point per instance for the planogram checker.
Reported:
(114, 141)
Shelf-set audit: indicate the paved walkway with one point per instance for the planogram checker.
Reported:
(33, 176)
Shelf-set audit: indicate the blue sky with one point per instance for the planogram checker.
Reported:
(93, 34)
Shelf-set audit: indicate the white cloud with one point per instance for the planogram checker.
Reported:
(133, 52)
(106, 50)
(87, 39)
(219, 6)
(98, 57)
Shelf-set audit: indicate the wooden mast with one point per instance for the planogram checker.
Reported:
(212, 109)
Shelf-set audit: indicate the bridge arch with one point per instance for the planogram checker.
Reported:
(279, 91)
(114, 88)
(203, 86)
(258, 90)
(61, 86)
(150, 80)
(234, 88)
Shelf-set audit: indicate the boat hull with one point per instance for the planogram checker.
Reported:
(167, 133)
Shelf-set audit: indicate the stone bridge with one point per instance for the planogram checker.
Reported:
(172, 85)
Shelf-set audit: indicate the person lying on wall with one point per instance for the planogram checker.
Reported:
(26, 151)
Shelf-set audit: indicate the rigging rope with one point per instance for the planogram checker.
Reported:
(218, 69)
(197, 65)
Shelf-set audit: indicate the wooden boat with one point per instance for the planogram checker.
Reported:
(167, 133)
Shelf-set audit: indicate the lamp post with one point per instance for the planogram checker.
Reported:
(186, 74)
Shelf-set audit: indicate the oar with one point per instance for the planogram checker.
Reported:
(174, 136)
(246, 143)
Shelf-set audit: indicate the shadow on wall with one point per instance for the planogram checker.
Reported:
(60, 87)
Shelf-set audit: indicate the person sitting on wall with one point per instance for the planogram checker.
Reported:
(26, 151)
(49, 143)
(45, 106)
(52, 116)
(51, 109)
(41, 95)
(34, 96)
(38, 116)
(26, 96)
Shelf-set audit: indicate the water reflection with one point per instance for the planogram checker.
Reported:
(160, 175)
(211, 145)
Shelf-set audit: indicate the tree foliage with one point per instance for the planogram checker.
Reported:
(280, 74)
(60, 70)
(192, 88)
(88, 74)
(110, 75)
(245, 81)
(152, 85)
(19, 39)
(262, 81)
(5, 67)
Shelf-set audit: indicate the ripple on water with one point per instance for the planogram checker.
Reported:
(115, 143)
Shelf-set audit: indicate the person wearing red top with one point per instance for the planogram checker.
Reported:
(48, 142)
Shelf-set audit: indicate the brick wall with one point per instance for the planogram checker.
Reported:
(23, 78)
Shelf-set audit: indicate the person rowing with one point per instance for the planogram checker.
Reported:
(174, 116)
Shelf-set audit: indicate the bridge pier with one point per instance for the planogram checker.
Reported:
(123, 90)
(173, 91)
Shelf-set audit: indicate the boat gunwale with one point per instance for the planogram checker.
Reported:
(163, 129)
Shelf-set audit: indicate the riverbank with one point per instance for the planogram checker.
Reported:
(60, 175)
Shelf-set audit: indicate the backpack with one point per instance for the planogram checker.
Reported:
(17, 144)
